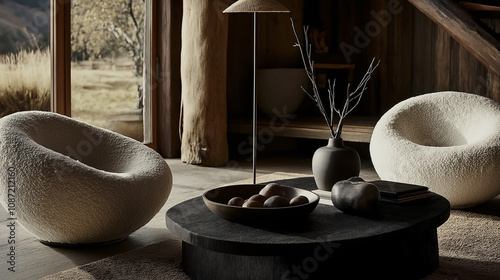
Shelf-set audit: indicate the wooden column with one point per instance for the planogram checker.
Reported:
(203, 74)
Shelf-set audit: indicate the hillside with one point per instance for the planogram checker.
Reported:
(24, 23)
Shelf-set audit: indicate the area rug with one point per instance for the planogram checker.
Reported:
(469, 244)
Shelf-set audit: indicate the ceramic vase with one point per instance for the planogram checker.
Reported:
(334, 162)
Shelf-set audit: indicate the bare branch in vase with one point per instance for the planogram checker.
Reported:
(352, 98)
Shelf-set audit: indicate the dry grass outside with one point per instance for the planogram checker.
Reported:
(97, 94)
(25, 84)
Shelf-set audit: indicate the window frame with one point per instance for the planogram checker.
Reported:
(60, 49)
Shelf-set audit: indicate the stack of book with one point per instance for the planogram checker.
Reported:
(400, 192)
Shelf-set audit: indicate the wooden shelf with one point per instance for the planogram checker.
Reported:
(356, 129)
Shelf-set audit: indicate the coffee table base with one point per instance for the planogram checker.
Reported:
(405, 257)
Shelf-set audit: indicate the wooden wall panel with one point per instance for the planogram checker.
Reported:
(493, 86)
(464, 69)
(399, 58)
(491, 81)
(454, 65)
(239, 65)
(443, 59)
(277, 39)
(441, 63)
(463, 27)
(423, 61)
(274, 49)
(378, 86)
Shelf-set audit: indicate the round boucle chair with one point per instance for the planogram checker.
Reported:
(73, 183)
(448, 141)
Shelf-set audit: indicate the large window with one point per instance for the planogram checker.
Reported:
(24, 56)
(102, 70)
(107, 57)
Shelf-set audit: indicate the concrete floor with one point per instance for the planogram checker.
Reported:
(35, 260)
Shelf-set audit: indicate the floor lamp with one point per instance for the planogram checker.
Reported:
(255, 6)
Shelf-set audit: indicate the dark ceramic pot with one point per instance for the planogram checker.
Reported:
(333, 163)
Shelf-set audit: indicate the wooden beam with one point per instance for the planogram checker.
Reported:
(462, 27)
(482, 11)
(60, 41)
(482, 2)
(479, 7)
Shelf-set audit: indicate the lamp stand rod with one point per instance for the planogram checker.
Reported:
(254, 132)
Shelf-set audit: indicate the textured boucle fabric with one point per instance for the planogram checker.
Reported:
(448, 141)
(76, 183)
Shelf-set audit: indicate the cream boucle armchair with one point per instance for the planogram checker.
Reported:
(448, 141)
(68, 182)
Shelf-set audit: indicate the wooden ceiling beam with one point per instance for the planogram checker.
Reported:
(482, 2)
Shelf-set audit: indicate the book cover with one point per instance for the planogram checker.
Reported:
(397, 190)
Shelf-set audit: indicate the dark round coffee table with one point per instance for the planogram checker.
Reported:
(399, 243)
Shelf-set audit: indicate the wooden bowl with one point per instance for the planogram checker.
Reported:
(216, 200)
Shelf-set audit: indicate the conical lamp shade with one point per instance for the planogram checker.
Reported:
(256, 6)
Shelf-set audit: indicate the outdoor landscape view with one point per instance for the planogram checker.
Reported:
(107, 42)
(24, 56)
